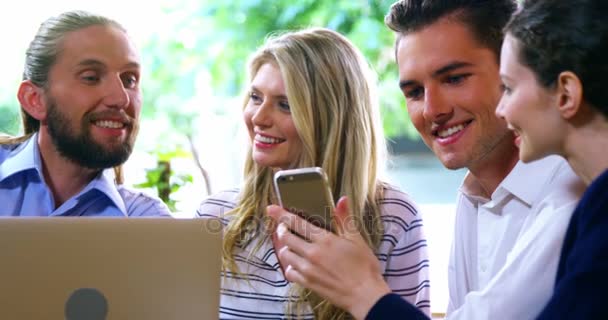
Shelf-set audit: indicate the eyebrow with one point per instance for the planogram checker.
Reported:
(97, 63)
(254, 88)
(441, 71)
(504, 76)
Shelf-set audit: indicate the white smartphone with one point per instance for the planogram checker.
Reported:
(306, 192)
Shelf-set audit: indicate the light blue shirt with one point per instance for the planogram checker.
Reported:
(23, 191)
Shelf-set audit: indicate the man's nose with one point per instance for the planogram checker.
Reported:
(436, 105)
(116, 95)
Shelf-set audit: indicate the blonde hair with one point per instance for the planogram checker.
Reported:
(330, 89)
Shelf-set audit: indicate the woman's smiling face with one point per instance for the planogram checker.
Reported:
(275, 140)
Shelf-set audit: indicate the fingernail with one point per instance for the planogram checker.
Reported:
(282, 250)
(281, 229)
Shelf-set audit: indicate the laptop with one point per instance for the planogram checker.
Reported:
(109, 268)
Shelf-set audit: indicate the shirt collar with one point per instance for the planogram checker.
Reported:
(104, 183)
(525, 181)
(471, 188)
(25, 156)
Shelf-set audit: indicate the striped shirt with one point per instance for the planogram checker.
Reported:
(262, 292)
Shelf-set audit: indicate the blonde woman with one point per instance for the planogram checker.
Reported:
(311, 102)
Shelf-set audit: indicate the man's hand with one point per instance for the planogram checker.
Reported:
(340, 267)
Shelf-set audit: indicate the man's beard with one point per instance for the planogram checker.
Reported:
(79, 146)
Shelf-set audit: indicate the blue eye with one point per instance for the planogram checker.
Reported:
(284, 106)
(255, 98)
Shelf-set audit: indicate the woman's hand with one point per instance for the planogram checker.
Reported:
(340, 267)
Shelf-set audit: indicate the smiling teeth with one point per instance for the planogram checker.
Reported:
(450, 131)
(109, 124)
(267, 140)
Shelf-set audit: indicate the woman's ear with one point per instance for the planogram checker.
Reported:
(570, 94)
(31, 98)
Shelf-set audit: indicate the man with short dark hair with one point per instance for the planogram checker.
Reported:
(508, 212)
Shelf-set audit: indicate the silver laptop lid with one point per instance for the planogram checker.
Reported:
(109, 268)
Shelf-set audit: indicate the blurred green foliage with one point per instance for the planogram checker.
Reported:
(10, 120)
(204, 45)
(164, 180)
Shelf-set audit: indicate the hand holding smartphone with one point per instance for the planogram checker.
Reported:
(306, 192)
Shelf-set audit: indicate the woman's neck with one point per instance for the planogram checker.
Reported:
(587, 149)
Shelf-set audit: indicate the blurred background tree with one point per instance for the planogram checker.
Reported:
(10, 119)
(207, 43)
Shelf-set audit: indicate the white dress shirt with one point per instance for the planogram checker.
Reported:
(506, 249)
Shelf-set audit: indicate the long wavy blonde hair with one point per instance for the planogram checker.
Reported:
(330, 89)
